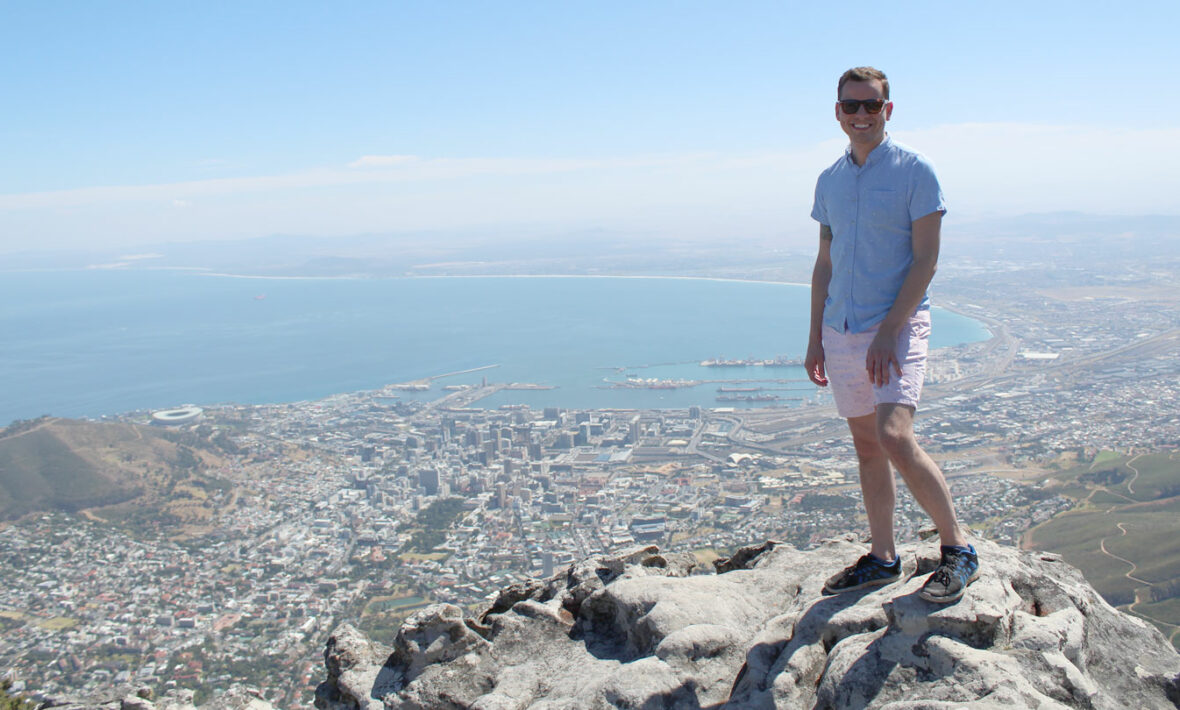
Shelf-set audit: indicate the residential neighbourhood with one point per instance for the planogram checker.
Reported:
(367, 505)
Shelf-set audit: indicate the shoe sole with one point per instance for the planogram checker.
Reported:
(874, 583)
(948, 599)
(904, 575)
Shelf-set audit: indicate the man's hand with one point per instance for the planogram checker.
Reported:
(814, 363)
(821, 276)
(882, 357)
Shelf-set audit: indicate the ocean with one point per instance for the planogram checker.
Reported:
(99, 342)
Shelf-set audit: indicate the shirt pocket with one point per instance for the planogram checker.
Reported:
(887, 208)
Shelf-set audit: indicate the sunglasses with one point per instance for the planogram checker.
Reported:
(851, 106)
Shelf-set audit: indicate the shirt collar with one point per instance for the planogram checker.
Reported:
(882, 148)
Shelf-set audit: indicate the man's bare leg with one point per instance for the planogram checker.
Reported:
(895, 434)
(877, 486)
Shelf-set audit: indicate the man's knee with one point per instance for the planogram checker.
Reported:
(895, 430)
(872, 460)
(869, 453)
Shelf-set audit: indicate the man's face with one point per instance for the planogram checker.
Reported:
(862, 127)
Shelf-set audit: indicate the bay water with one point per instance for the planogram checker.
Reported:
(97, 342)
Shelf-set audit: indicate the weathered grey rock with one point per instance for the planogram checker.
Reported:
(134, 702)
(743, 558)
(354, 665)
(636, 630)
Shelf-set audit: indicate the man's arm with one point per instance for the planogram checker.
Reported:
(821, 276)
(925, 236)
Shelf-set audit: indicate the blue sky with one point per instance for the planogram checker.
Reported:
(130, 123)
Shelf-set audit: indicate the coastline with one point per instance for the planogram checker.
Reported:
(990, 324)
(208, 271)
(198, 343)
(641, 277)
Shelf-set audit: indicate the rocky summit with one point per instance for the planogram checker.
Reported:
(646, 630)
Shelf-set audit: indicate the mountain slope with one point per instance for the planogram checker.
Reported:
(62, 464)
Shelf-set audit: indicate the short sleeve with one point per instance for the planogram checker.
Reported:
(925, 193)
(819, 211)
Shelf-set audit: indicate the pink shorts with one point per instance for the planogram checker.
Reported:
(844, 362)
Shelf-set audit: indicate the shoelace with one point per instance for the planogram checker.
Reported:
(941, 576)
(949, 563)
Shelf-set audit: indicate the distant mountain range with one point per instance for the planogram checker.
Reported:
(600, 251)
(1071, 237)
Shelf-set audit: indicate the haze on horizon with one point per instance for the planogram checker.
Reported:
(135, 123)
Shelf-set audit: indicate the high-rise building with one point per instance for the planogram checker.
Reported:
(428, 479)
(634, 431)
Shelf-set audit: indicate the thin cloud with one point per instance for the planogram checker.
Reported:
(381, 161)
(1000, 168)
(416, 170)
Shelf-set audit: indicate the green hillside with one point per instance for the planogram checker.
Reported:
(40, 471)
(67, 465)
(1124, 533)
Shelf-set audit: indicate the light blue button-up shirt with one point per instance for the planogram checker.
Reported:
(870, 209)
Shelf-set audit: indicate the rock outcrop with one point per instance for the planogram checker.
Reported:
(645, 630)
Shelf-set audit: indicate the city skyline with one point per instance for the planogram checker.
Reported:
(134, 124)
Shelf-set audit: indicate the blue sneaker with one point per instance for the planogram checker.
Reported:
(867, 572)
(957, 569)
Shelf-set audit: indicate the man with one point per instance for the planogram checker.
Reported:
(880, 212)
